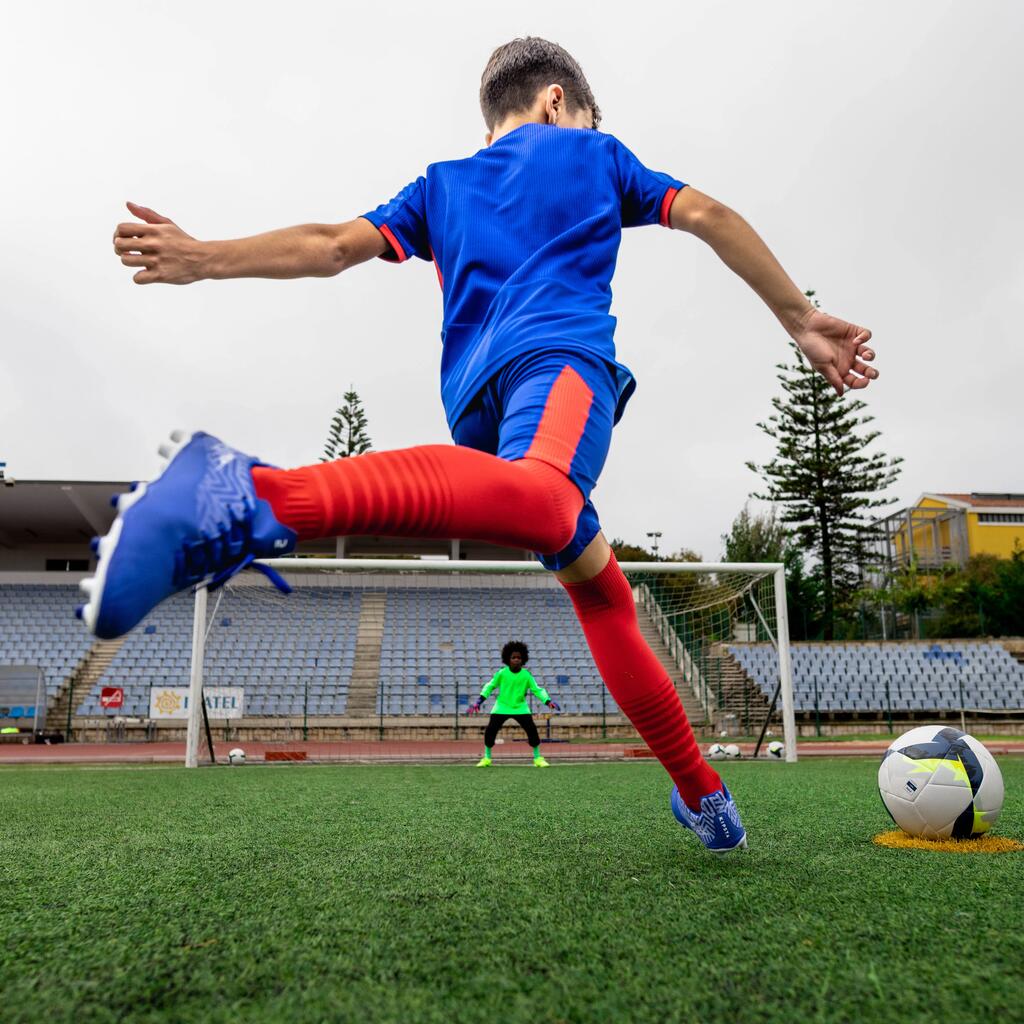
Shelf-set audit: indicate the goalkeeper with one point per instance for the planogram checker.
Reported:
(512, 682)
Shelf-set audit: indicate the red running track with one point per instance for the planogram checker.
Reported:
(422, 751)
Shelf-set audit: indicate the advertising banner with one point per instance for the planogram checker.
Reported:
(171, 702)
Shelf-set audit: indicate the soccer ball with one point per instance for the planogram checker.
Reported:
(732, 751)
(716, 752)
(939, 783)
(236, 756)
(776, 750)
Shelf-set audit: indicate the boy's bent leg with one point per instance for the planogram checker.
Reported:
(533, 738)
(638, 682)
(494, 724)
(428, 491)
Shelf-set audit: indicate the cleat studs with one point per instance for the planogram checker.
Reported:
(79, 611)
(177, 436)
(94, 545)
(132, 487)
(164, 451)
(114, 499)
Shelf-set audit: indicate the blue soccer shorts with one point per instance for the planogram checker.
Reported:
(557, 406)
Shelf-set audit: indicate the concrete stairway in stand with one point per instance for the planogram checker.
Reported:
(692, 707)
(80, 683)
(365, 681)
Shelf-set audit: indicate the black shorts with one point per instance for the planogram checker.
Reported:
(495, 722)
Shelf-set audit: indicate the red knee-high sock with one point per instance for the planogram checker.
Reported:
(429, 491)
(637, 680)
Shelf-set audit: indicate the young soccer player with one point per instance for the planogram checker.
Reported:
(512, 682)
(524, 236)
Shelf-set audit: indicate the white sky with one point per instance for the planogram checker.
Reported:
(876, 146)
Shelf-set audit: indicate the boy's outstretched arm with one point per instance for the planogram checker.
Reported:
(474, 708)
(836, 349)
(167, 255)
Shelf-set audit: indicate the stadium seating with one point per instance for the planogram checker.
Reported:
(441, 646)
(438, 647)
(286, 652)
(904, 677)
(37, 627)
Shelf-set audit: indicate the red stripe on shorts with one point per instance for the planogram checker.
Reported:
(562, 422)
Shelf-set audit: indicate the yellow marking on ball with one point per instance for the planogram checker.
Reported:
(933, 764)
(897, 840)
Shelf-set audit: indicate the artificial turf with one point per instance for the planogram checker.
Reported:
(449, 894)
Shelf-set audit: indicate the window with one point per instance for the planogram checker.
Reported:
(993, 518)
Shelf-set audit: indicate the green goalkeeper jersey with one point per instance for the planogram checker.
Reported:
(512, 687)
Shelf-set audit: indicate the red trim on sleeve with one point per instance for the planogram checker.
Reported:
(393, 242)
(666, 206)
(437, 267)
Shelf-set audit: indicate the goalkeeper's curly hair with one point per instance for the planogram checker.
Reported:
(511, 648)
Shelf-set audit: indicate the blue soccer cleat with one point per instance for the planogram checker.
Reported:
(199, 518)
(717, 825)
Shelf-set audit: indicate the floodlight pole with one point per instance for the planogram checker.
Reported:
(195, 693)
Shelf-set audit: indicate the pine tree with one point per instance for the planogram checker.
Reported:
(823, 477)
(347, 435)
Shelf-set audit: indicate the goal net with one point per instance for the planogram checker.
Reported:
(379, 659)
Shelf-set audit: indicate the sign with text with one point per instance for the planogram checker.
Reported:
(171, 702)
(112, 697)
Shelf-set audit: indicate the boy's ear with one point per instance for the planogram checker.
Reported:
(554, 103)
(487, 138)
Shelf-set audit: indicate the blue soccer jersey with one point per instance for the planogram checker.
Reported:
(525, 234)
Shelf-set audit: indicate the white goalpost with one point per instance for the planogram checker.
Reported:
(700, 611)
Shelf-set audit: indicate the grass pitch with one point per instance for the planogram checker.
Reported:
(422, 894)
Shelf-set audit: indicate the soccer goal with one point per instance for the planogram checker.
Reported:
(385, 649)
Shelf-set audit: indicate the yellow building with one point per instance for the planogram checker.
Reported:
(947, 529)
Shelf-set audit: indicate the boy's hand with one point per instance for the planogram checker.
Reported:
(554, 706)
(837, 350)
(474, 709)
(166, 254)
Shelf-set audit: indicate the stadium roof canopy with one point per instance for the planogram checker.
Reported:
(55, 511)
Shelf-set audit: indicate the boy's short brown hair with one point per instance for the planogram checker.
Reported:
(518, 70)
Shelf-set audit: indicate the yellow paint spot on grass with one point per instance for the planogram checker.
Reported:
(897, 840)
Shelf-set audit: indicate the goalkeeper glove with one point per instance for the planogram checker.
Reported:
(474, 708)
(554, 706)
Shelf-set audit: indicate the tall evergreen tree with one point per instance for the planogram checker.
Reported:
(347, 435)
(823, 477)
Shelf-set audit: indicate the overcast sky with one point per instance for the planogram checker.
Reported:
(876, 146)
